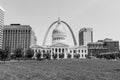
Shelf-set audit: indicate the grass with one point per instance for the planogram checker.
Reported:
(69, 69)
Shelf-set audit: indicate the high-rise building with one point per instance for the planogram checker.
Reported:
(16, 36)
(33, 38)
(1, 26)
(85, 36)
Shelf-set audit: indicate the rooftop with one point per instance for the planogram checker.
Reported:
(96, 43)
(14, 26)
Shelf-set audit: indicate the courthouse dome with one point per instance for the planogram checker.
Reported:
(59, 34)
(59, 29)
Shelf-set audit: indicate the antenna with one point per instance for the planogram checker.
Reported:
(59, 12)
(59, 20)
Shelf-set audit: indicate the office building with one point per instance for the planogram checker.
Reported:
(16, 36)
(1, 26)
(85, 36)
(33, 38)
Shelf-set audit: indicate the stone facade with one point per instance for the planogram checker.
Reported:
(60, 51)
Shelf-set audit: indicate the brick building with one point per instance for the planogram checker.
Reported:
(103, 46)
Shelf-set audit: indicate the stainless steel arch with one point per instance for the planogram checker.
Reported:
(74, 40)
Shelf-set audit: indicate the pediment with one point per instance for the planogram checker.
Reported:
(59, 45)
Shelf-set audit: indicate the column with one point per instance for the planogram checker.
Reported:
(51, 57)
(72, 56)
(34, 56)
(79, 56)
(65, 55)
(57, 55)
(42, 54)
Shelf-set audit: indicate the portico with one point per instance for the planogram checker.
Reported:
(59, 51)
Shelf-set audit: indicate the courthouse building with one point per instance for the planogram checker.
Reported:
(16, 36)
(59, 49)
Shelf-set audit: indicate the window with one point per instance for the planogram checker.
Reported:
(59, 50)
(62, 50)
(43, 51)
(74, 51)
(55, 50)
(82, 55)
(36, 51)
(82, 51)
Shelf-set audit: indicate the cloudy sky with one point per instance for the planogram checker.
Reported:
(101, 15)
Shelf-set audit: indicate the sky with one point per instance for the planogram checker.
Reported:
(101, 15)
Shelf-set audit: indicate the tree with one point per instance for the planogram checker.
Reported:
(54, 56)
(4, 54)
(69, 56)
(7, 52)
(29, 53)
(61, 55)
(47, 56)
(1, 54)
(18, 53)
(77, 56)
(38, 55)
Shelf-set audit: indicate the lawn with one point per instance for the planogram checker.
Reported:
(69, 69)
